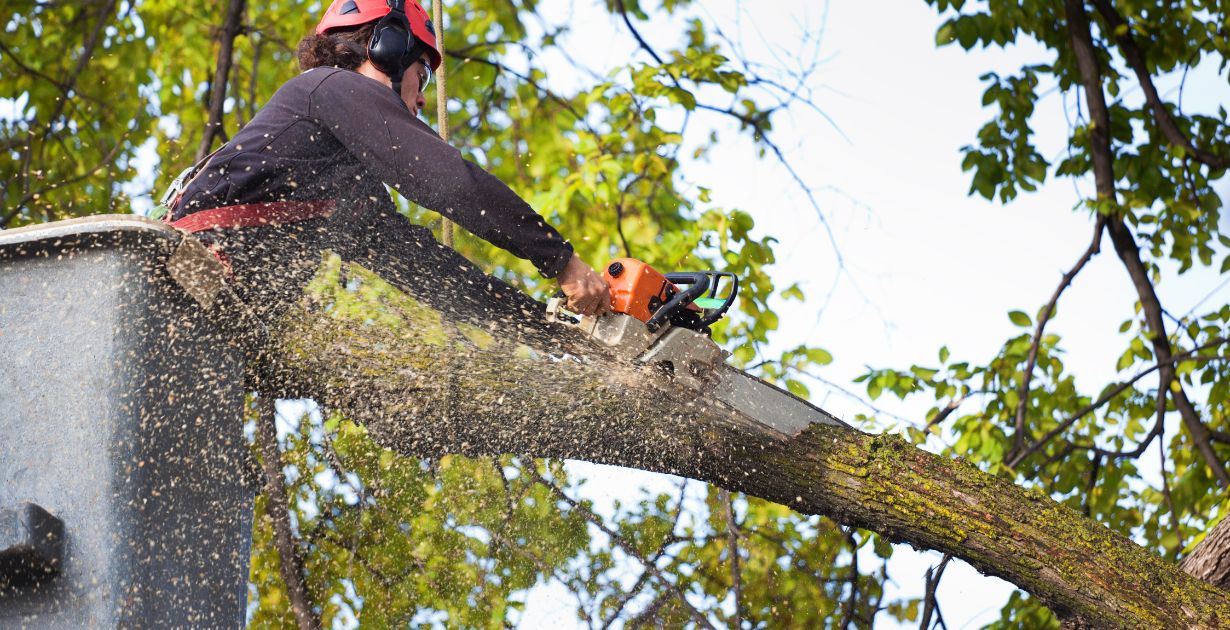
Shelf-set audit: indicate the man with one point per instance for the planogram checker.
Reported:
(309, 171)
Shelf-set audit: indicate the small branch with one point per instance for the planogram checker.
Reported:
(1095, 467)
(1105, 398)
(1047, 313)
(1174, 514)
(107, 159)
(943, 414)
(930, 603)
(1122, 33)
(732, 545)
(87, 53)
(636, 34)
(1129, 253)
(232, 26)
(278, 510)
(1120, 235)
(643, 580)
(850, 605)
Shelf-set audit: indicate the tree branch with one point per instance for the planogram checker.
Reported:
(1122, 33)
(1210, 560)
(643, 580)
(1105, 398)
(1121, 236)
(849, 606)
(87, 53)
(597, 521)
(1174, 514)
(623, 11)
(930, 603)
(732, 546)
(277, 507)
(232, 26)
(388, 378)
(1047, 312)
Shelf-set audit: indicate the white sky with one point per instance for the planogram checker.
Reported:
(927, 264)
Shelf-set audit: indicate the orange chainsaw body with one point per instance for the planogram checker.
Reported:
(636, 288)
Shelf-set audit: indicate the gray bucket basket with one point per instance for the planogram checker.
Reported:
(123, 500)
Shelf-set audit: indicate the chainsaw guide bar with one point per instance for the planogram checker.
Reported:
(689, 358)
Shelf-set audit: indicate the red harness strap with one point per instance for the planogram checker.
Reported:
(252, 215)
(255, 214)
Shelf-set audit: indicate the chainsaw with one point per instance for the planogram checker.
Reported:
(663, 321)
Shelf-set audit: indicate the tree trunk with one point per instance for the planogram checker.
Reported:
(425, 384)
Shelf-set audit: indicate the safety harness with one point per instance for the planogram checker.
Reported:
(237, 216)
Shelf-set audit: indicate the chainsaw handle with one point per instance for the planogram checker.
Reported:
(699, 283)
(712, 282)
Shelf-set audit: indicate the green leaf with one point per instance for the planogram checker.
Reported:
(1020, 319)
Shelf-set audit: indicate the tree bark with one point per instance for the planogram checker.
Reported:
(1210, 560)
(425, 384)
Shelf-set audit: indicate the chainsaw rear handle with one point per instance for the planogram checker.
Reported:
(699, 283)
(714, 279)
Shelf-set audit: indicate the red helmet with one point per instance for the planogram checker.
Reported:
(342, 13)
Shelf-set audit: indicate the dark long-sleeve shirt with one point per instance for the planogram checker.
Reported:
(336, 134)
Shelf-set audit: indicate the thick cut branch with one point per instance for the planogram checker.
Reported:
(359, 346)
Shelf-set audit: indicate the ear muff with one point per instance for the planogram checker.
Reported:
(393, 46)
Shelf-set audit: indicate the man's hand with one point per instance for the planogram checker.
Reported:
(588, 293)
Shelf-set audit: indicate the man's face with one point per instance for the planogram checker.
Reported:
(414, 82)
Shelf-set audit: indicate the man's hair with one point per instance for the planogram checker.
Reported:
(343, 48)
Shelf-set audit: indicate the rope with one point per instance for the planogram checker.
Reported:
(437, 9)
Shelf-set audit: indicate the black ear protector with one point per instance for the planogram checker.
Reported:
(393, 48)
